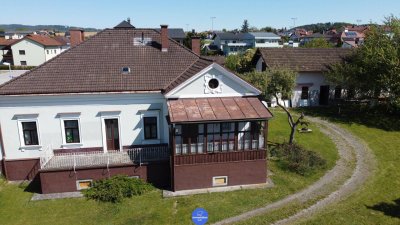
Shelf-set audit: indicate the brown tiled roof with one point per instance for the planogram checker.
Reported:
(220, 59)
(193, 69)
(302, 59)
(43, 40)
(96, 66)
(216, 109)
(7, 42)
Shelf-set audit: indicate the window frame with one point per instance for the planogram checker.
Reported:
(219, 177)
(21, 133)
(151, 113)
(81, 181)
(63, 118)
(21, 52)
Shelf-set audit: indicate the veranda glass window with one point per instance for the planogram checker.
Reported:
(30, 133)
(71, 131)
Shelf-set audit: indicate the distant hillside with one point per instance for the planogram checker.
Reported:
(320, 27)
(58, 28)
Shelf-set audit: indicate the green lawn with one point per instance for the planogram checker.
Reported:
(151, 208)
(378, 201)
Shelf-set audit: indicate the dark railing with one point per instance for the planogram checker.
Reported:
(218, 157)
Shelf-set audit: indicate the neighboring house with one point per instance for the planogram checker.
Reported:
(176, 34)
(233, 43)
(311, 87)
(5, 50)
(266, 40)
(18, 34)
(330, 38)
(132, 101)
(34, 50)
(352, 39)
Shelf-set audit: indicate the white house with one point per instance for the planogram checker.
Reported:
(266, 40)
(132, 101)
(311, 89)
(33, 50)
(233, 43)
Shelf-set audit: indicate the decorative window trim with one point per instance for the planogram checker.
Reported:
(81, 181)
(110, 115)
(208, 89)
(150, 113)
(70, 116)
(219, 177)
(28, 118)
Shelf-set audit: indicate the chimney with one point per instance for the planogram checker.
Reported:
(77, 36)
(164, 38)
(196, 44)
(128, 20)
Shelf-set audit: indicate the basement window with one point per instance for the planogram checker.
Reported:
(83, 184)
(126, 70)
(220, 181)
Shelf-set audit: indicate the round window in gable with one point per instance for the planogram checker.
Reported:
(213, 83)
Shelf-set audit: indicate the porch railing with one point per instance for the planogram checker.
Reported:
(100, 158)
(47, 155)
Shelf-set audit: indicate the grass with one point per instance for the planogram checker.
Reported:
(151, 208)
(378, 201)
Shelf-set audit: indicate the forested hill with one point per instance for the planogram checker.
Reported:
(319, 27)
(21, 27)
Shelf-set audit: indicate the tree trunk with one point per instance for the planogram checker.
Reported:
(292, 124)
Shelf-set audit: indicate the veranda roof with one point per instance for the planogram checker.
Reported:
(217, 109)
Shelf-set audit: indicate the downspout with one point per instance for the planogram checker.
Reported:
(3, 152)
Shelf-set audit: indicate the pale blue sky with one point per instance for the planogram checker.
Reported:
(194, 13)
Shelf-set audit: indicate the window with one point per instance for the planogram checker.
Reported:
(23, 63)
(213, 83)
(150, 127)
(304, 92)
(220, 181)
(47, 51)
(338, 92)
(22, 52)
(71, 129)
(126, 70)
(30, 133)
(83, 184)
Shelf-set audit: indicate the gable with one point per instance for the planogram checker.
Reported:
(213, 81)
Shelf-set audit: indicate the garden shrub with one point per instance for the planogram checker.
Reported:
(297, 159)
(116, 188)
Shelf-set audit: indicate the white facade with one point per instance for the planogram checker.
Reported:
(197, 86)
(33, 53)
(49, 112)
(90, 110)
(313, 81)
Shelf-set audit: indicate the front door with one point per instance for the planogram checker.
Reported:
(112, 134)
(324, 95)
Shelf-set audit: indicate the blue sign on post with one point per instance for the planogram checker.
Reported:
(199, 216)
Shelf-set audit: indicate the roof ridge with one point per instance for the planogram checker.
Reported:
(48, 61)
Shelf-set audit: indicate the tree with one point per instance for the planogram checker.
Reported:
(318, 43)
(241, 62)
(277, 83)
(245, 27)
(373, 70)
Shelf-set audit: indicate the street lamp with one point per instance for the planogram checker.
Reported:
(8, 64)
(212, 23)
